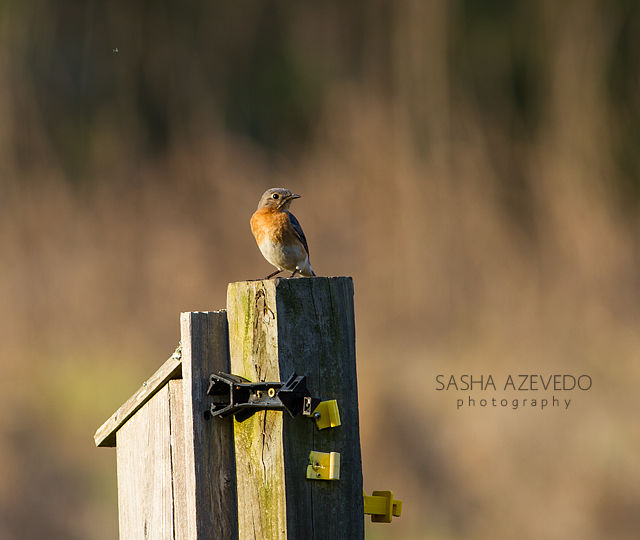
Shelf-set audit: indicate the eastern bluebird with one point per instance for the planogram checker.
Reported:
(279, 234)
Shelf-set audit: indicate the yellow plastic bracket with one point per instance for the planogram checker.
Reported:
(382, 506)
(323, 466)
(327, 414)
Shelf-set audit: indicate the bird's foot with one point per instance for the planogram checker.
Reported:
(273, 274)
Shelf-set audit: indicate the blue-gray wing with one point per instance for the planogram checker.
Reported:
(298, 229)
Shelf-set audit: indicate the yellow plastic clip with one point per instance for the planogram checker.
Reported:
(323, 466)
(382, 506)
(327, 414)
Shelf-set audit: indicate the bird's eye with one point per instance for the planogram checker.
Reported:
(275, 196)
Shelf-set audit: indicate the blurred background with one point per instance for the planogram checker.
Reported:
(475, 166)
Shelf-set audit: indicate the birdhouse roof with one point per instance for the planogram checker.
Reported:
(171, 369)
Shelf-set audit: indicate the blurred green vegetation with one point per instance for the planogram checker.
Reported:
(474, 165)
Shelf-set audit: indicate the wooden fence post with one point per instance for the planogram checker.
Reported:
(209, 463)
(306, 326)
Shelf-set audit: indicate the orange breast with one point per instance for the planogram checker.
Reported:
(271, 224)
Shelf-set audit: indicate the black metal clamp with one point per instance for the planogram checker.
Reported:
(234, 395)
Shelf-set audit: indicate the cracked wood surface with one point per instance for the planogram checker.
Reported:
(277, 327)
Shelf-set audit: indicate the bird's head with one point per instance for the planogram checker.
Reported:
(277, 198)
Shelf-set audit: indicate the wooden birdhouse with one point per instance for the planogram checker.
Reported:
(250, 429)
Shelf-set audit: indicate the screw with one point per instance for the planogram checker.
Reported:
(317, 416)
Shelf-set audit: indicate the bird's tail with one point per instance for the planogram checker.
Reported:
(306, 270)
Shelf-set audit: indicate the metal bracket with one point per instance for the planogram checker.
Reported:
(382, 506)
(234, 395)
(327, 414)
(323, 466)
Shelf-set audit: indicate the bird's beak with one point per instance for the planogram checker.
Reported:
(294, 196)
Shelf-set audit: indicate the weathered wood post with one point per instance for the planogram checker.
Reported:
(210, 483)
(306, 326)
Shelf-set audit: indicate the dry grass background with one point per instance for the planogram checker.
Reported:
(481, 240)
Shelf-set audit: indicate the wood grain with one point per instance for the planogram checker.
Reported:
(262, 510)
(178, 460)
(145, 495)
(275, 328)
(209, 460)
